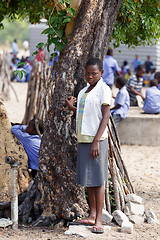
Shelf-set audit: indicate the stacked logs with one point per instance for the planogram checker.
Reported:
(40, 90)
(119, 182)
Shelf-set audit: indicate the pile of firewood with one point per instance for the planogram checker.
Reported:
(119, 183)
(40, 91)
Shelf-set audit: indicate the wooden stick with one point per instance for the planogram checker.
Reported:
(115, 131)
(107, 200)
(114, 178)
(127, 179)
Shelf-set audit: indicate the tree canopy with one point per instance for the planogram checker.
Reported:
(137, 23)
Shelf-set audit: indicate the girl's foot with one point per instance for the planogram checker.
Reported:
(84, 221)
(98, 230)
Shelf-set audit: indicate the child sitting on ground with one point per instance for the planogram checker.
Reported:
(122, 102)
(31, 141)
(152, 99)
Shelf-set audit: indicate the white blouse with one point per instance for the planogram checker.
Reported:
(92, 115)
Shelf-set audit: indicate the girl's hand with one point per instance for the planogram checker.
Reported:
(71, 102)
(94, 150)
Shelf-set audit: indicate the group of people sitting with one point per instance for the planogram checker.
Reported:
(129, 90)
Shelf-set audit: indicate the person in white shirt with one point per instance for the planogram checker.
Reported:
(15, 47)
(92, 115)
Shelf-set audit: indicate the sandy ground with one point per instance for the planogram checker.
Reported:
(143, 164)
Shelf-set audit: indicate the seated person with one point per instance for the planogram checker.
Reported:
(31, 141)
(152, 99)
(134, 85)
(128, 74)
(125, 68)
(120, 110)
(157, 76)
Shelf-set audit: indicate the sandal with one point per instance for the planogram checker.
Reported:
(82, 221)
(98, 230)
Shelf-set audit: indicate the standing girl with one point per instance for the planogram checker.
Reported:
(92, 115)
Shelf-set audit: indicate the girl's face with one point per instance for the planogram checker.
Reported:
(93, 74)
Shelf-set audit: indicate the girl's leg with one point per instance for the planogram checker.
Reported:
(92, 203)
(99, 199)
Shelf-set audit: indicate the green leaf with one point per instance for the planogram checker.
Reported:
(59, 32)
(39, 45)
(65, 1)
(48, 31)
(55, 40)
(71, 11)
(60, 46)
(16, 72)
(21, 63)
(20, 74)
(62, 12)
(67, 19)
(24, 72)
(34, 53)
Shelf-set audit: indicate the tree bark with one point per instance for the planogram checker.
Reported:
(10, 146)
(57, 191)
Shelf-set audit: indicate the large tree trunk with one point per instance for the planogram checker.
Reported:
(55, 190)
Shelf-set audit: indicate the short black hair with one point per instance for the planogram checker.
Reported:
(125, 63)
(157, 75)
(121, 81)
(40, 125)
(154, 82)
(95, 61)
(110, 51)
(140, 67)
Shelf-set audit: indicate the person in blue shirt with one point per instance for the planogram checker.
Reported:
(111, 68)
(148, 64)
(122, 101)
(136, 62)
(157, 76)
(31, 141)
(152, 99)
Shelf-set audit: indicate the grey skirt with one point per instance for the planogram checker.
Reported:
(92, 172)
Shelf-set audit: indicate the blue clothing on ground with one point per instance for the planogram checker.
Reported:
(159, 86)
(110, 66)
(31, 145)
(152, 100)
(123, 100)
